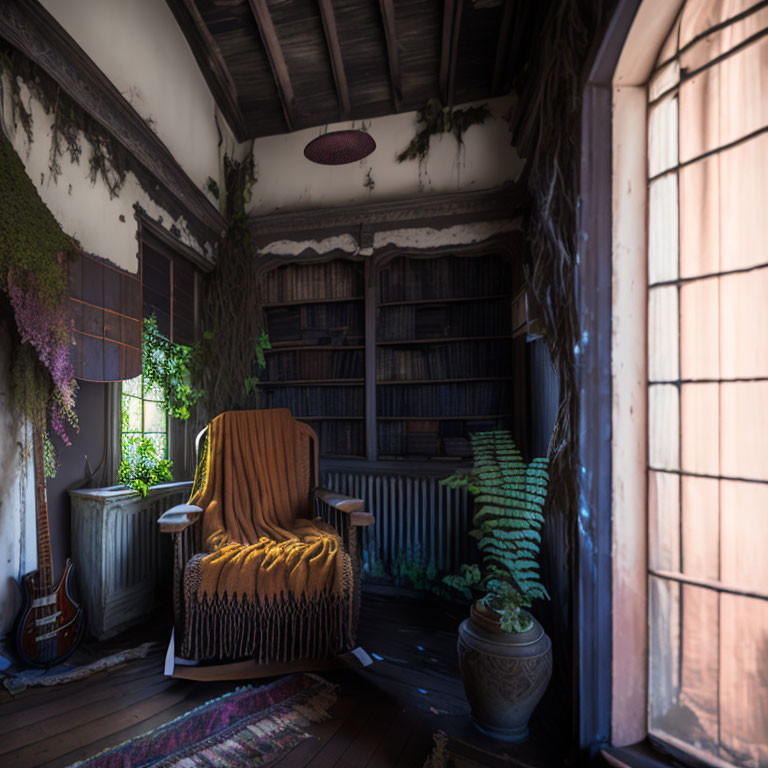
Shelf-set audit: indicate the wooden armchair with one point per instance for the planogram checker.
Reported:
(183, 521)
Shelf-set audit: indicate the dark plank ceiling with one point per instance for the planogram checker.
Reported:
(280, 65)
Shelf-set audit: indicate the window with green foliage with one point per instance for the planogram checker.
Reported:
(144, 435)
(141, 414)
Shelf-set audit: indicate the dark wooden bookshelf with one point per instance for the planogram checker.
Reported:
(307, 306)
(409, 335)
(443, 340)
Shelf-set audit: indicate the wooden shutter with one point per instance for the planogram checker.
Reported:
(105, 303)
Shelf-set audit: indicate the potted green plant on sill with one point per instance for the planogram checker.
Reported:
(504, 654)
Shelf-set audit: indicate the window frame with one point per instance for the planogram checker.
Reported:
(144, 398)
(616, 244)
(611, 609)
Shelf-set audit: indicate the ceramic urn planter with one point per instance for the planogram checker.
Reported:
(505, 675)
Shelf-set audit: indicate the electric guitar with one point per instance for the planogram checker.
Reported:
(51, 623)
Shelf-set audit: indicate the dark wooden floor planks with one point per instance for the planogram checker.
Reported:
(385, 715)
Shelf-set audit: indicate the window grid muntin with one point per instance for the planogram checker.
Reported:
(144, 398)
(681, 578)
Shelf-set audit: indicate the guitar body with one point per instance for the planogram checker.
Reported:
(51, 623)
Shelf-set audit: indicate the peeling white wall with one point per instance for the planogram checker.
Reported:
(18, 542)
(422, 238)
(139, 46)
(104, 226)
(288, 181)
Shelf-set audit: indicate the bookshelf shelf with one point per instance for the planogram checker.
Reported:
(329, 418)
(407, 382)
(465, 417)
(447, 300)
(312, 382)
(289, 347)
(441, 340)
(315, 300)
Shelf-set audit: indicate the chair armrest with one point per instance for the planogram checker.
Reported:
(177, 518)
(347, 504)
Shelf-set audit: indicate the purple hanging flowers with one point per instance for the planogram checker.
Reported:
(47, 326)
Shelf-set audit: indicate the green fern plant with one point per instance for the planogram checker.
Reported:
(510, 496)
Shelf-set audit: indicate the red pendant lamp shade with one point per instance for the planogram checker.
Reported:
(339, 147)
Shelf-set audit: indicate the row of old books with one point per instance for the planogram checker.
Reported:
(454, 399)
(340, 438)
(407, 279)
(453, 360)
(302, 364)
(337, 323)
(430, 438)
(413, 321)
(318, 401)
(331, 280)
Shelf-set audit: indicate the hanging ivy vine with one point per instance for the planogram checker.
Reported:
(230, 355)
(167, 365)
(437, 120)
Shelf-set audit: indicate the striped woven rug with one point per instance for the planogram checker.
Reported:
(247, 728)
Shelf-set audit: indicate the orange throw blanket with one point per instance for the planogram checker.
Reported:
(253, 487)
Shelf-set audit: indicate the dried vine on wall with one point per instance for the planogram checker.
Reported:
(231, 352)
(436, 120)
(547, 133)
(107, 162)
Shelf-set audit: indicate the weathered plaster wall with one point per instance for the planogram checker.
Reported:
(18, 544)
(141, 49)
(104, 226)
(288, 181)
(408, 238)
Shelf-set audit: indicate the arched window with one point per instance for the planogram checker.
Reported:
(708, 383)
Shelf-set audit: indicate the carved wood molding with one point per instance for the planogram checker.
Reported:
(438, 211)
(27, 26)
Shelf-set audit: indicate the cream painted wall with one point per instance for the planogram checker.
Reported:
(139, 46)
(288, 181)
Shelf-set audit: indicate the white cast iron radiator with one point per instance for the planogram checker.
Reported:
(120, 557)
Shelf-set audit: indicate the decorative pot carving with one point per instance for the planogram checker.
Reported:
(505, 675)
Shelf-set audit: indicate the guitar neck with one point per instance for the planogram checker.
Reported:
(41, 511)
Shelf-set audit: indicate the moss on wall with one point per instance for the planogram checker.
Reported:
(30, 237)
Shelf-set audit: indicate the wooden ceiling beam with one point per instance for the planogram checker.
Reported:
(211, 62)
(452, 10)
(337, 64)
(390, 34)
(276, 59)
(502, 47)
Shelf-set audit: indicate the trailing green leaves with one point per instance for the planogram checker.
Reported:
(510, 496)
(166, 365)
(141, 466)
